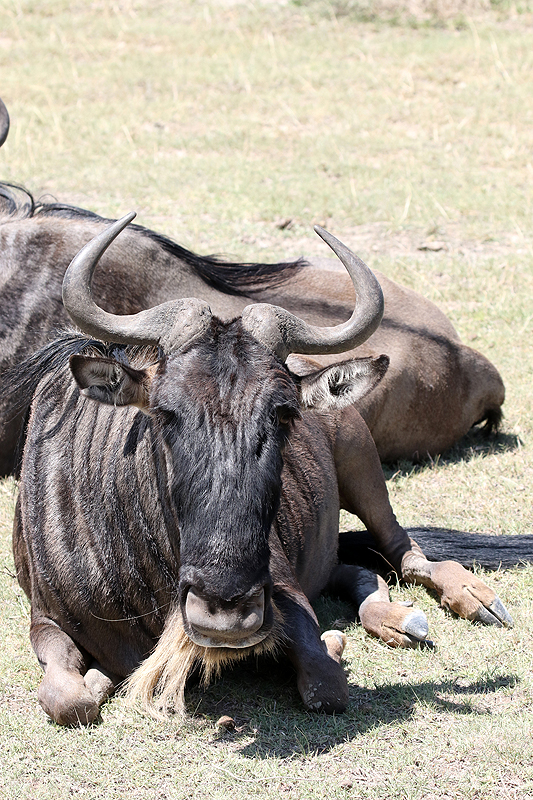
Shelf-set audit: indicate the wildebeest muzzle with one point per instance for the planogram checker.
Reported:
(242, 621)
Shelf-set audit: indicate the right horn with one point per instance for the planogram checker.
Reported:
(4, 123)
(284, 333)
(169, 325)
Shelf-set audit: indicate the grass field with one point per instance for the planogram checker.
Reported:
(234, 127)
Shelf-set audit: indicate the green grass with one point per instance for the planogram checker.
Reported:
(234, 127)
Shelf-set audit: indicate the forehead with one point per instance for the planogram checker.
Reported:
(227, 370)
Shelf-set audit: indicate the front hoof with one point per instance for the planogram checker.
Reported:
(468, 596)
(395, 624)
(321, 699)
(323, 686)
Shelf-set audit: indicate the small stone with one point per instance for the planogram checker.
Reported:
(284, 224)
(228, 723)
(434, 246)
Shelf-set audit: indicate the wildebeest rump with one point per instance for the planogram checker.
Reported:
(185, 490)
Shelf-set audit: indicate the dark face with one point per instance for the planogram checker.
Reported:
(223, 409)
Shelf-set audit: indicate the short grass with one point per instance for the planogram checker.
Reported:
(234, 126)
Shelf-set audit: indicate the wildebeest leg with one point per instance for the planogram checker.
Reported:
(363, 492)
(459, 590)
(320, 677)
(396, 624)
(362, 488)
(73, 687)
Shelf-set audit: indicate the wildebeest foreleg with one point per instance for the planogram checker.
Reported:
(73, 687)
(362, 488)
(363, 492)
(396, 624)
(458, 589)
(320, 677)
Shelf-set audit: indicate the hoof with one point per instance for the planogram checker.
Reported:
(322, 684)
(395, 624)
(68, 703)
(467, 595)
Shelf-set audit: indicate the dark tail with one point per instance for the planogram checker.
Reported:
(440, 544)
(491, 422)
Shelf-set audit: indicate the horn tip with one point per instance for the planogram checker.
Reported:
(326, 236)
(329, 239)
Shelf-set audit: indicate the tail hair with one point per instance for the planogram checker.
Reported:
(438, 544)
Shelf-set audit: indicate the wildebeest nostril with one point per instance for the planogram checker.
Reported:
(223, 620)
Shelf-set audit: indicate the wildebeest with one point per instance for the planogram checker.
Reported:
(435, 389)
(181, 485)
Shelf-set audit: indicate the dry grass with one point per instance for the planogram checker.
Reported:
(451, 14)
(234, 127)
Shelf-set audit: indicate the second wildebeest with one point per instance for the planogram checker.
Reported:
(435, 389)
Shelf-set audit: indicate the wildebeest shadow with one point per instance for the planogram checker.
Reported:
(475, 444)
(263, 702)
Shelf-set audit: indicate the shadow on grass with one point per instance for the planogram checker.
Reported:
(475, 444)
(263, 701)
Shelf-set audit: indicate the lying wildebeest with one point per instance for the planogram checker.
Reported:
(179, 483)
(435, 389)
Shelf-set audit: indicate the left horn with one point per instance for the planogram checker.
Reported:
(284, 333)
(169, 325)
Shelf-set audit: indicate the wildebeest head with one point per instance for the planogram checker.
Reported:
(222, 402)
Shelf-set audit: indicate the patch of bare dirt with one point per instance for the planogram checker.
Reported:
(379, 239)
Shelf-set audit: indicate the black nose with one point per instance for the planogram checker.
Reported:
(225, 624)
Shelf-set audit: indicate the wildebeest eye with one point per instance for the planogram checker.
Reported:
(285, 414)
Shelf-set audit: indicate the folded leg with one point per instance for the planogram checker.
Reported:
(363, 492)
(395, 624)
(74, 686)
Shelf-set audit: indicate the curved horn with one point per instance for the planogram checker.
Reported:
(169, 325)
(4, 123)
(285, 333)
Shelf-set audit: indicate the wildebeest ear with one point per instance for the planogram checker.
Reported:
(112, 382)
(342, 384)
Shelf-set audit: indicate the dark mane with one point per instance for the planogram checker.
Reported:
(226, 276)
